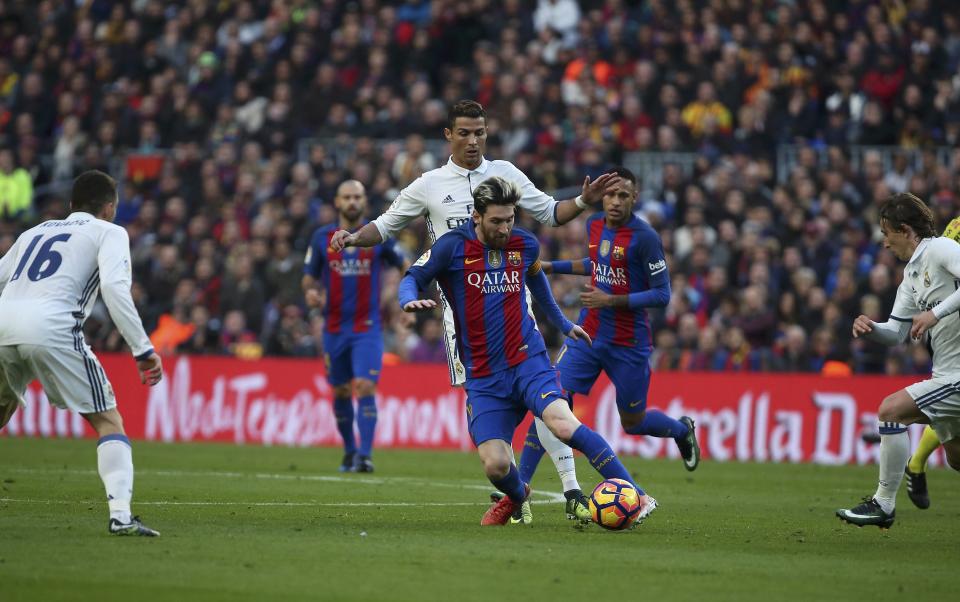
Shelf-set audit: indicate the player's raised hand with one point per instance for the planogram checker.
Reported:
(592, 298)
(593, 192)
(150, 369)
(420, 305)
(342, 239)
(862, 325)
(579, 334)
(922, 323)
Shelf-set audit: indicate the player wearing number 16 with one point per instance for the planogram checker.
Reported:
(483, 268)
(49, 280)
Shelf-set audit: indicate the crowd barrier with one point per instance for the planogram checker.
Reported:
(740, 417)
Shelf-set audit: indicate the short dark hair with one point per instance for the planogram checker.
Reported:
(92, 190)
(465, 108)
(495, 191)
(905, 209)
(626, 174)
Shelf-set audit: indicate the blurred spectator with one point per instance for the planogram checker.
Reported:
(767, 134)
(16, 188)
(429, 348)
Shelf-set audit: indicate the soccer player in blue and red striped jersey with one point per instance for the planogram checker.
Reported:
(628, 273)
(482, 268)
(352, 340)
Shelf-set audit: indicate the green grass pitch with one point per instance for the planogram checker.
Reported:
(252, 523)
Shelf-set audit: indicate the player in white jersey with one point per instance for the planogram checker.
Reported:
(927, 303)
(444, 196)
(49, 281)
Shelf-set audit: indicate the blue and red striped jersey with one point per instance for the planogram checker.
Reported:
(351, 279)
(625, 260)
(495, 330)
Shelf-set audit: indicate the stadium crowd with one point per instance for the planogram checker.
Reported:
(207, 109)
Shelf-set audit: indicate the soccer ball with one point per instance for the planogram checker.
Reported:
(614, 504)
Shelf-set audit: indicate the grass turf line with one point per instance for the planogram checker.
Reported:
(253, 523)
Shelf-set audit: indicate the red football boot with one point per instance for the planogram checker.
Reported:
(500, 513)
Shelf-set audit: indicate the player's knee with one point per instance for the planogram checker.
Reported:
(496, 466)
(342, 391)
(364, 387)
(563, 427)
(888, 410)
(629, 421)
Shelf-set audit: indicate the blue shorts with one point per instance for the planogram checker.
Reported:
(627, 367)
(350, 356)
(497, 403)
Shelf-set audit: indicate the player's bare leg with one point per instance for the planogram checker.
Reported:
(115, 465)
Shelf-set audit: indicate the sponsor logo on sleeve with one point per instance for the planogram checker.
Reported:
(423, 258)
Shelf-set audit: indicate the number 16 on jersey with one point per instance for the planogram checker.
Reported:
(47, 261)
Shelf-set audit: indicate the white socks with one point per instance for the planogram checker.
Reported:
(115, 464)
(894, 454)
(561, 454)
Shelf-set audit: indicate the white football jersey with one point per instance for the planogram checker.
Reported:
(932, 275)
(50, 279)
(445, 197)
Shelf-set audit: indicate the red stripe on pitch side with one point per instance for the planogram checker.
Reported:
(624, 319)
(361, 312)
(474, 262)
(514, 307)
(334, 291)
(591, 322)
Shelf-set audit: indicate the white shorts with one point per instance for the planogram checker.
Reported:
(939, 399)
(455, 367)
(73, 380)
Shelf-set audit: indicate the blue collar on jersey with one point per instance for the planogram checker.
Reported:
(481, 169)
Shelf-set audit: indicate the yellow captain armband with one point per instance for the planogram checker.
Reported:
(534, 268)
(953, 229)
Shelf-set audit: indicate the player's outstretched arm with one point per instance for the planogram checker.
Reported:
(579, 267)
(892, 332)
(367, 236)
(430, 265)
(540, 289)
